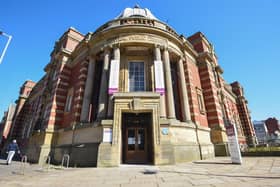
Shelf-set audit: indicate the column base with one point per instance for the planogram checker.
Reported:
(251, 141)
(108, 155)
(219, 139)
(40, 147)
(221, 149)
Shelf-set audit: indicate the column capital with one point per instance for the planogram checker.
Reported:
(157, 45)
(181, 57)
(157, 52)
(106, 48)
(165, 48)
(187, 56)
(106, 51)
(116, 45)
(91, 58)
(116, 53)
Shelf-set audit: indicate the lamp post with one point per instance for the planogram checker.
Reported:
(6, 46)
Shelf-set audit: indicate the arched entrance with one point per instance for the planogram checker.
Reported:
(137, 146)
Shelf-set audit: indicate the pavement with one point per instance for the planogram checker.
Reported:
(217, 172)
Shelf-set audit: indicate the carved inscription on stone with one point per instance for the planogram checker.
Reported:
(141, 38)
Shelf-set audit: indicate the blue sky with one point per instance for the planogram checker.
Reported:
(245, 33)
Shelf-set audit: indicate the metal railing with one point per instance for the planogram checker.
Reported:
(66, 158)
(23, 164)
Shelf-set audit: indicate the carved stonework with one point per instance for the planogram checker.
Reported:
(135, 104)
(148, 102)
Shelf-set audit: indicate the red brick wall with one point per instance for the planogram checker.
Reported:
(22, 108)
(214, 110)
(77, 81)
(56, 102)
(199, 44)
(233, 115)
(193, 82)
(243, 110)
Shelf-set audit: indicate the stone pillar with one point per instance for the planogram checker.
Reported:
(110, 102)
(88, 91)
(103, 92)
(162, 97)
(168, 84)
(184, 93)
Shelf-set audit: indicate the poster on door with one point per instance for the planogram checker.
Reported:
(233, 144)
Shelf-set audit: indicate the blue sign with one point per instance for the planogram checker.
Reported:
(164, 131)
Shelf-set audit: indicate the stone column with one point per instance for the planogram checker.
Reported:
(168, 83)
(110, 102)
(103, 92)
(85, 116)
(162, 97)
(184, 93)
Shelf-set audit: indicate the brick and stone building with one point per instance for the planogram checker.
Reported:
(272, 125)
(261, 132)
(6, 124)
(273, 128)
(133, 91)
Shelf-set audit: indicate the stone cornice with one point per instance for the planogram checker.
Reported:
(121, 95)
(219, 69)
(102, 34)
(205, 56)
(230, 92)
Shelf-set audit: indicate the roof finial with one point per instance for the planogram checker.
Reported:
(136, 6)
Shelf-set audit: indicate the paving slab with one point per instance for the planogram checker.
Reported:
(255, 171)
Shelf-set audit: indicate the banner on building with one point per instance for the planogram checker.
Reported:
(114, 77)
(159, 79)
(233, 144)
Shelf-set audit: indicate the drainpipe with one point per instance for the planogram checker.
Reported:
(197, 139)
(73, 139)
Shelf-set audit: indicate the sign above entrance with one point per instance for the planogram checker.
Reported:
(159, 77)
(114, 76)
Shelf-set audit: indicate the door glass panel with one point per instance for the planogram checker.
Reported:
(141, 139)
(131, 139)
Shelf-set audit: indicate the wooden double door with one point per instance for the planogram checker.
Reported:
(137, 136)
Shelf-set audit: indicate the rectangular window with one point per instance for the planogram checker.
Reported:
(69, 101)
(200, 101)
(54, 75)
(136, 76)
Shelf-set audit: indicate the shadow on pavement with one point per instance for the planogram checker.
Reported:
(222, 175)
(227, 163)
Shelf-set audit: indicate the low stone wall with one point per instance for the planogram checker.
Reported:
(261, 153)
(80, 144)
(184, 143)
(81, 155)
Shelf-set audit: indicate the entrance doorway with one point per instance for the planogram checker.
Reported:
(137, 145)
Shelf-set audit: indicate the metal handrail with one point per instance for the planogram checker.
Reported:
(23, 164)
(67, 157)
